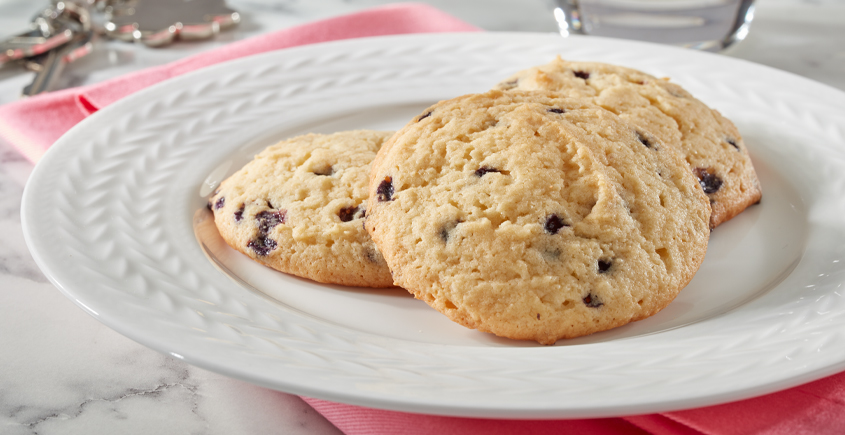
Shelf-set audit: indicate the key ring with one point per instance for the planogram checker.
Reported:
(65, 30)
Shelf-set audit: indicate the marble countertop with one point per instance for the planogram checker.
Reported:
(63, 372)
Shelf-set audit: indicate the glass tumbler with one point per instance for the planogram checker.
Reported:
(710, 25)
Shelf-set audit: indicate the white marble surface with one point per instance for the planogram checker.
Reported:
(63, 372)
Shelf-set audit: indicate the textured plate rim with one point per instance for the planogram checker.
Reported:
(533, 410)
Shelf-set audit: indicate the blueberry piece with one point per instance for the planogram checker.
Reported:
(384, 191)
(553, 224)
(446, 230)
(480, 172)
(604, 265)
(643, 140)
(592, 301)
(444, 234)
(262, 245)
(708, 180)
(732, 141)
(220, 203)
(268, 219)
(424, 116)
(362, 214)
(581, 74)
(510, 84)
(239, 214)
(346, 214)
(372, 256)
(556, 110)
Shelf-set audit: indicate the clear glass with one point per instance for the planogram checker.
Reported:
(710, 25)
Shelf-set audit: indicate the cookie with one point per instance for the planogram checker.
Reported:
(535, 217)
(298, 208)
(710, 142)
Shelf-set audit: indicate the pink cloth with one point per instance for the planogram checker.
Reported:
(811, 409)
(35, 123)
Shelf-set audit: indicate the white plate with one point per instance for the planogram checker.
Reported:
(114, 215)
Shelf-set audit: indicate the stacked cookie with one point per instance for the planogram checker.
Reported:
(574, 198)
(709, 142)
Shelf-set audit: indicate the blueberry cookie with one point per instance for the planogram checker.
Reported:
(710, 143)
(534, 216)
(298, 208)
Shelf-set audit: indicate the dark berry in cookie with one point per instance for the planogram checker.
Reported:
(446, 230)
(643, 140)
(384, 191)
(480, 172)
(346, 214)
(510, 84)
(553, 224)
(262, 245)
(239, 214)
(268, 219)
(592, 301)
(708, 180)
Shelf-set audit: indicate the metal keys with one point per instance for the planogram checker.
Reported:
(159, 22)
(41, 37)
(49, 66)
(63, 32)
(58, 35)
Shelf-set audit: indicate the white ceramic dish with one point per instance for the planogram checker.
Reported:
(114, 215)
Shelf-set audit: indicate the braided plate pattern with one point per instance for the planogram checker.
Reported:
(108, 217)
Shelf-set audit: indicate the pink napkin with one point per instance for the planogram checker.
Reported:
(35, 123)
(814, 408)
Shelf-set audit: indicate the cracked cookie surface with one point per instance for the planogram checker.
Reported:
(298, 208)
(711, 143)
(535, 217)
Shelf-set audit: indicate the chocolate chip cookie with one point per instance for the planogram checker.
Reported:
(534, 216)
(711, 143)
(298, 208)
